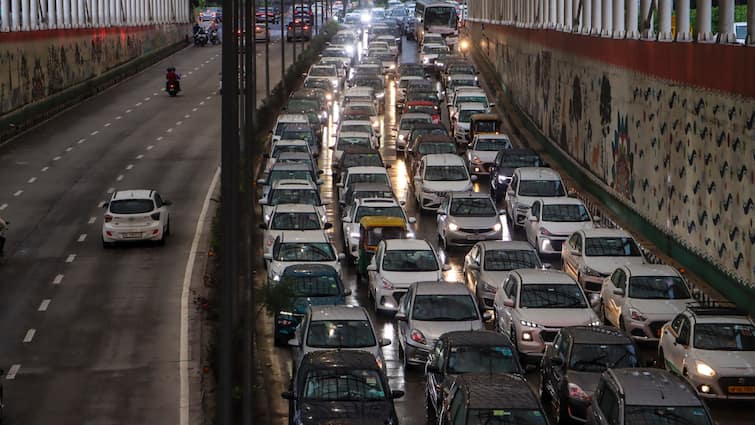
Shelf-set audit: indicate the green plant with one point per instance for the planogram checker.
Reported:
(275, 297)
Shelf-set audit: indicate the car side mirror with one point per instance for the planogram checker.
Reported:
(263, 226)
(400, 316)
(508, 303)
(268, 256)
(446, 267)
(597, 218)
(319, 181)
(575, 252)
(371, 268)
(412, 220)
(473, 178)
(619, 292)
(260, 181)
(104, 205)
(341, 256)
(474, 266)
(384, 342)
(262, 201)
(594, 299)
(339, 184)
(491, 105)
(487, 317)
(327, 226)
(397, 394)
(346, 292)
(288, 395)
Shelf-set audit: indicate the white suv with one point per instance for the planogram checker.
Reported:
(527, 185)
(552, 220)
(437, 175)
(301, 248)
(292, 218)
(135, 215)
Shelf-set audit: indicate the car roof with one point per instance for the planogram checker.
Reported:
(411, 77)
(443, 159)
(471, 105)
(338, 312)
(496, 391)
(596, 335)
(603, 232)
(561, 200)
(646, 387)
(298, 142)
(294, 208)
(310, 270)
(363, 187)
(434, 138)
(354, 122)
(440, 288)
(519, 152)
(537, 173)
(338, 359)
(545, 277)
(470, 194)
(133, 194)
(506, 246)
(651, 270)
(376, 202)
(492, 136)
(399, 244)
(291, 166)
(292, 118)
(295, 236)
(462, 77)
(475, 338)
(294, 184)
(367, 170)
(415, 115)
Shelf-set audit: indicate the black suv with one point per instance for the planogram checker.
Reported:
(571, 367)
(646, 396)
(504, 165)
(476, 399)
(462, 352)
(340, 386)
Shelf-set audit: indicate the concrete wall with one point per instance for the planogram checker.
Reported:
(669, 128)
(35, 65)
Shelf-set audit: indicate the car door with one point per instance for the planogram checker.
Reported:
(573, 245)
(442, 216)
(418, 178)
(677, 344)
(511, 197)
(532, 224)
(347, 220)
(606, 408)
(511, 289)
(553, 375)
(405, 309)
(377, 260)
(472, 268)
(435, 379)
(615, 305)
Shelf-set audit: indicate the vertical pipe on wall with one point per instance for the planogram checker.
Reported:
(646, 19)
(618, 19)
(632, 19)
(750, 23)
(51, 15)
(682, 21)
(116, 12)
(560, 14)
(28, 15)
(95, 12)
(664, 20)
(586, 16)
(726, 22)
(704, 32)
(597, 16)
(68, 13)
(568, 14)
(4, 15)
(552, 14)
(577, 12)
(15, 15)
(607, 30)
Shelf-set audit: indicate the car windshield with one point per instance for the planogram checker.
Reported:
(461, 69)
(423, 95)
(724, 337)
(132, 206)
(348, 142)
(298, 135)
(412, 71)
(462, 82)
(313, 83)
(367, 109)
(611, 247)
(376, 84)
(566, 213)
(658, 288)
(439, 147)
(509, 259)
(466, 115)
(361, 160)
(599, 357)
(340, 334)
(541, 188)
(472, 99)
(422, 109)
(368, 194)
(482, 359)
(444, 308)
(443, 16)
(294, 196)
(506, 416)
(472, 207)
(276, 175)
(368, 178)
(323, 71)
(446, 173)
(516, 161)
(343, 385)
(306, 251)
(295, 221)
(365, 211)
(408, 123)
(552, 295)
(302, 105)
(358, 128)
(492, 145)
(434, 50)
(410, 260)
(313, 286)
(666, 415)
(278, 149)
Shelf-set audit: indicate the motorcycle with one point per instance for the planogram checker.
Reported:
(214, 39)
(200, 39)
(172, 88)
(3, 227)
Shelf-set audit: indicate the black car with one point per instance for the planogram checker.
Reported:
(504, 165)
(340, 385)
(494, 399)
(360, 157)
(462, 352)
(302, 132)
(571, 368)
(422, 129)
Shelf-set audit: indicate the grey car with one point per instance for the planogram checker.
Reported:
(465, 218)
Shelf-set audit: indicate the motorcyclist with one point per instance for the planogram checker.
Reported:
(172, 77)
(3, 226)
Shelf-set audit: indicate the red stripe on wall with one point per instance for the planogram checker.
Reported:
(724, 67)
(22, 36)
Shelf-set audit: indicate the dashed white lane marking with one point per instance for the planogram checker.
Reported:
(29, 335)
(119, 178)
(187, 115)
(110, 190)
(70, 258)
(57, 158)
(146, 99)
(208, 97)
(92, 219)
(138, 103)
(150, 147)
(82, 237)
(44, 169)
(158, 138)
(31, 180)
(58, 279)
(201, 103)
(69, 149)
(13, 371)
(129, 166)
(140, 156)
(118, 117)
(170, 130)
(179, 122)
(44, 305)
(154, 94)
(18, 193)
(4, 206)
(194, 110)
(128, 111)
(80, 141)
(107, 124)
(94, 133)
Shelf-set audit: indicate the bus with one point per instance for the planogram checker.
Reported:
(437, 17)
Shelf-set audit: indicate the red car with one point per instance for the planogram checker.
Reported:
(424, 107)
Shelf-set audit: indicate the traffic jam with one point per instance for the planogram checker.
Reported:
(437, 271)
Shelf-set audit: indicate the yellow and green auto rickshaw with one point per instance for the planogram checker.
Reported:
(372, 230)
(484, 124)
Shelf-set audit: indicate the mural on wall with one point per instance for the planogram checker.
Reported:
(32, 70)
(680, 155)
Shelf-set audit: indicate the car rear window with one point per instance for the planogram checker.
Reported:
(132, 206)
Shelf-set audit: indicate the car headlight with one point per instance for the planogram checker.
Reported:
(349, 49)
(425, 60)
(503, 179)
(328, 96)
(497, 227)
(528, 324)
(334, 82)
(276, 277)
(393, 66)
(410, 235)
(637, 315)
(401, 137)
(354, 235)
(380, 95)
(704, 369)
(595, 322)
(453, 227)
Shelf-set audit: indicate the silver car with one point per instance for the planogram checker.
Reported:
(429, 310)
(465, 218)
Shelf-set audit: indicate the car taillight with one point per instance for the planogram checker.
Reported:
(417, 336)
(306, 27)
(257, 28)
(155, 216)
(545, 232)
(108, 218)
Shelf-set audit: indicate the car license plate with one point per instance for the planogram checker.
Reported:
(132, 235)
(475, 237)
(742, 389)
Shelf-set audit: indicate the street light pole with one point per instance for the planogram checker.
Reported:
(283, 45)
(267, 49)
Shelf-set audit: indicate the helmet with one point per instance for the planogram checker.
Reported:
(172, 69)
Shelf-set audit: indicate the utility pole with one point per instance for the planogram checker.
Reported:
(283, 45)
(267, 48)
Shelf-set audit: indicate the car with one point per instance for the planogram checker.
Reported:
(287, 191)
(426, 145)
(571, 368)
(326, 72)
(375, 83)
(299, 29)
(363, 108)
(365, 190)
(367, 207)
(532, 305)
(712, 345)
(403, 83)
(502, 168)
(261, 33)
(484, 398)
(406, 123)
(288, 146)
(397, 264)
(424, 107)
(465, 218)
(458, 81)
(527, 185)
(287, 171)
(466, 94)
(300, 248)
(642, 396)
(425, 130)
(308, 285)
(302, 132)
(346, 140)
(487, 265)
(291, 218)
(551, 221)
(359, 157)
(307, 101)
(356, 175)
(430, 309)
(360, 126)
(340, 387)
(482, 151)
(135, 215)
(338, 53)
(429, 52)
(337, 327)
(302, 158)
(641, 298)
(463, 352)
(591, 255)
(436, 176)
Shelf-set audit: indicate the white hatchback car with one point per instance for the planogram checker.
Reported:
(301, 248)
(365, 174)
(286, 119)
(482, 151)
(465, 218)
(351, 140)
(135, 215)
(527, 185)
(291, 218)
(590, 255)
(437, 175)
(463, 120)
(292, 191)
(552, 220)
(398, 263)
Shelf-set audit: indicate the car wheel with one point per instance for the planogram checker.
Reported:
(432, 417)
(107, 245)
(167, 229)
(544, 396)
(563, 413)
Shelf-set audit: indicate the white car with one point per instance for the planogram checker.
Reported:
(641, 298)
(356, 175)
(527, 185)
(590, 255)
(285, 119)
(398, 263)
(552, 220)
(465, 218)
(337, 327)
(429, 53)
(533, 305)
(406, 124)
(403, 83)
(359, 95)
(366, 108)
(457, 81)
(482, 151)
(326, 72)
(466, 95)
(135, 215)
(287, 145)
(360, 126)
(348, 140)
(463, 120)
(301, 248)
(291, 218)
(714, 348)
(287, 191)
(437, 175)
(368, 207)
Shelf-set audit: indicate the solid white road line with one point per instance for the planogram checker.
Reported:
(31, 180)
(92, 219)
(129, 166)
(44, 305)
(119, 178)
(57, 158)
(18, 193)
(82, 237)
(70, 258)
(29, 335)
(4, 206)
(184, 398)
(13, 371)
(58, 279)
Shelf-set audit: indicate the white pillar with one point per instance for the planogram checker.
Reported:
(26, 15)
(751, 22)
(68, 7)
(559, 14)
(101, 12)
(540, 13)
(586, 16)
(577, 16)
(51, 22)
(131, 17)
(704, 32)
(632, 19)
(646, 19)
(607, 30)
(618, 19)
(568, 14)
(59, 23)
(682, 21)
(552, 14)
(597, 16)
(726, 22)
(94, 11)
(664, 20)
(15, 15)
(4, 15)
